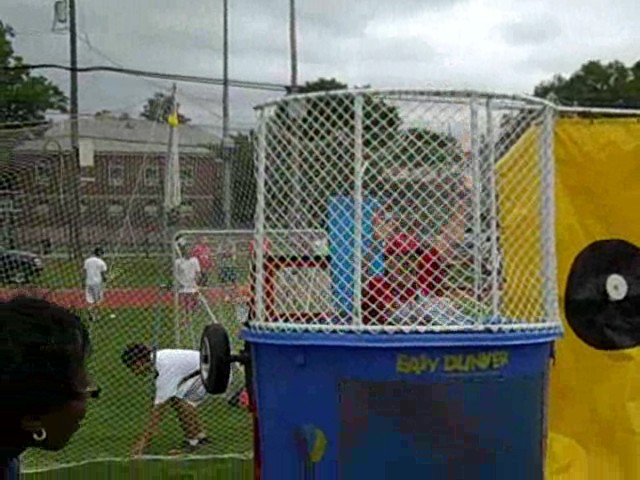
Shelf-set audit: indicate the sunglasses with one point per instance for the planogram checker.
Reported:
(89, 392)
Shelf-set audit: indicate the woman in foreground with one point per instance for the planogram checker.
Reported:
(43, 381)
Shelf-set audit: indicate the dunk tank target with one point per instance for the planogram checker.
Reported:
(390, 339)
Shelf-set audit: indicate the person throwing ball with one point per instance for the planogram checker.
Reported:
(177, 386)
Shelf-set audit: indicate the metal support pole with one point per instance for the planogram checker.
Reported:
(548, 217)
(357, 222)
(293, 45)
(228, 158)
(225, 68)
(297, 110)
(166, 234)
(74, 177)
(477, 202)
(493, 191)
(260, 216)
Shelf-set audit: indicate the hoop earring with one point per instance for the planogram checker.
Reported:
(40, 435)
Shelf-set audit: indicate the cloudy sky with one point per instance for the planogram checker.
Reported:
(498, 45)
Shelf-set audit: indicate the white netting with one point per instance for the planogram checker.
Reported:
(46, 233)
(416, 197)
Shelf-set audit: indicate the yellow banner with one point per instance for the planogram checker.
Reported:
(594, 410)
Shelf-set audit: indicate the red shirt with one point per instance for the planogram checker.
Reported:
(431, 277)
(379, 294)
(203, 253)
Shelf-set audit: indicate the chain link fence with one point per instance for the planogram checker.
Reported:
(355, 193)
(418, 196)
(45, 238)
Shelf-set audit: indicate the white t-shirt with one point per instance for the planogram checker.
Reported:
(94, 267)
(186, 273)
(172, 367)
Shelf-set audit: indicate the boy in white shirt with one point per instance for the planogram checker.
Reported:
(95, 276)
(177, 385)
(187, 274)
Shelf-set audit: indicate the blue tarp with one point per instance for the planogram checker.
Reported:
(341, 213)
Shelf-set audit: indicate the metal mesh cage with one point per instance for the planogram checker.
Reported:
(409, 212)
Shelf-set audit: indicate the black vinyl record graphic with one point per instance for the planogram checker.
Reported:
(602, 296)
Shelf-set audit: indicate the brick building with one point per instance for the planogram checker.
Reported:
(121, 193)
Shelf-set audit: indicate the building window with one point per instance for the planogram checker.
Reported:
(115, 210)
(187, 175)
(42, 209)
(186, 210)
(152, 176)
(151, 210)
(6, 204)
(43, 173)
(116, 174)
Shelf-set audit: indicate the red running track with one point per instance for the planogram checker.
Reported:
(116, 297)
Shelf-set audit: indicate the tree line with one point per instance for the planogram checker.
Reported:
(26, 97)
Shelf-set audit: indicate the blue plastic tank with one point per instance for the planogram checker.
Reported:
(434, 406)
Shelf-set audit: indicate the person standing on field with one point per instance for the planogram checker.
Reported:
(95, 274)
(187, 277)
(202, 252)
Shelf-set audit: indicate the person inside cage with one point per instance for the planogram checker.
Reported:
(413, 285)
(44, 384)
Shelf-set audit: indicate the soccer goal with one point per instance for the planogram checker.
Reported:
(299, 282)
(221, 283)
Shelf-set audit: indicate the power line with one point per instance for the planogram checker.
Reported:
(246, 84)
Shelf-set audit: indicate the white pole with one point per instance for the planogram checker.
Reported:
(548, 217)
(477, 203)
(176, 298)
(493, 191)
(260, 214)
(357, 221)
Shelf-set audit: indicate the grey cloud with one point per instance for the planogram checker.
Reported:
(533, 31)
(334, 40)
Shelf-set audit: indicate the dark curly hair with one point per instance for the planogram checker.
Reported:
(43, 349)
(135, 352)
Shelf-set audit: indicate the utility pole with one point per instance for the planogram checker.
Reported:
(293, 45)
(74, 174)
(296, 205)
(227, 143)
(225, 68)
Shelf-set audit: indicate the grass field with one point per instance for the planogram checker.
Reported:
(124, 272)
(116, 419)
(187, 469)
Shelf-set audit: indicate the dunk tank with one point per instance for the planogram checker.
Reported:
(389, 336)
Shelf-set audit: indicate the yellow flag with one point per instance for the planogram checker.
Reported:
(172, 120)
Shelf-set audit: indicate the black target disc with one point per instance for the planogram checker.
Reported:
(215, 365)
(602, 296)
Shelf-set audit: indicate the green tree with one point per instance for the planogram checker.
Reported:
(24, 98)
(311, 148)
(596, 84)
(243, 181)
(159, 107)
